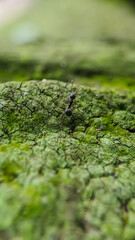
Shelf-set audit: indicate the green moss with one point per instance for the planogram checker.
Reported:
(66, 177)
(88, 70)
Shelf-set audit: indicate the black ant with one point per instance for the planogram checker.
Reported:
(68, 111)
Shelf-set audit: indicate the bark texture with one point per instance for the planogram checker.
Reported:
(66, 177)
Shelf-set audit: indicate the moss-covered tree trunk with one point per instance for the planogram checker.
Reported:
(66, 177)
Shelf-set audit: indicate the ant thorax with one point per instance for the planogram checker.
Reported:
(73, 95)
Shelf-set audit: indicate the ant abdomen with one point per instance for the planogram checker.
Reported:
(68, 112)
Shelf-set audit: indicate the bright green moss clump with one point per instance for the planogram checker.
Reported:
(66, 177)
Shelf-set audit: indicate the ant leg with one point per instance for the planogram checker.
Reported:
(78, 89)
(72, 81)
(61, 120)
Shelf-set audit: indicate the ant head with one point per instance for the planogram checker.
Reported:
(68, 112)
(73, 95)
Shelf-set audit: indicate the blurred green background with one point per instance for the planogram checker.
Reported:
(90, 41)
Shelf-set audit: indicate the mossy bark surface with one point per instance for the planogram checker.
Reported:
(66, 177)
